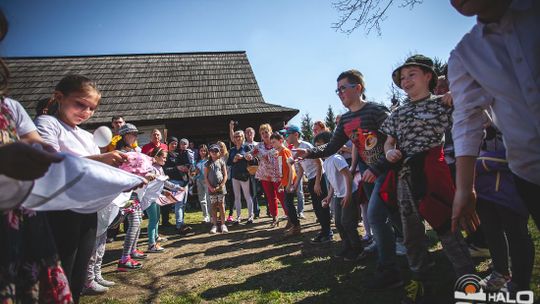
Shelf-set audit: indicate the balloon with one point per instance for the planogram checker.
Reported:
(102, 136)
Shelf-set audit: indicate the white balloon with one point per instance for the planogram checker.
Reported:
(102, 136)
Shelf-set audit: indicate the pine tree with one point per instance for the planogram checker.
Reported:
(330, 119)
(307, 127)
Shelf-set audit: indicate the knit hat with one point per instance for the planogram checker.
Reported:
(172, 139)
(128, 128)
(416, 60)
(213, 147)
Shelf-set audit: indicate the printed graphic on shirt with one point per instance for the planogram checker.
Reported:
(419, 126)
(366, 141)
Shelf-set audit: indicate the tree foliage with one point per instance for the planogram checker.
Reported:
(330, 119)
(307, 127)
(368, 14)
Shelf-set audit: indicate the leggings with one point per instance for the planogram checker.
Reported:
(272, 196)
(153, 222)
(132, 233)
(94, 265)
(75, 237)
(244, 186)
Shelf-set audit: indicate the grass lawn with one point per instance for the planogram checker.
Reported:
(253, 264)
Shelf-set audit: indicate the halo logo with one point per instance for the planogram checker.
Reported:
(468, 290)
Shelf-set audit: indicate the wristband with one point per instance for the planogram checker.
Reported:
(386, 155)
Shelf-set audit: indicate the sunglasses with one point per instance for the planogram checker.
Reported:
(342, 88)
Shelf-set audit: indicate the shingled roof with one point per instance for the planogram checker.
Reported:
(150, 87)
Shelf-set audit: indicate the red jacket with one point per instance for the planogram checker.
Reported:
(432, 186)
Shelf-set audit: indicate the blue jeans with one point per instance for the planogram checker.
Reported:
(381, 226)
(180, 207)
(153, 220)
(253, 183)
(300, 197)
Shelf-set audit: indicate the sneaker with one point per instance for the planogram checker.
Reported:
(355, 255)
(139, 255)
(275, 223)
(129, 265)
(93, 288)
(229, 219)
(213, 230)
(478, 252)
(155, 248)
(161, 239)
(206, 219)
(384, 278)
(322, 239)
(302, 216)
(249, 221)
(236, 223)
(371, 248)
(224, 229)
(400, 249)
(101, 281)
(414, 292)
(295, 230)
(494, 282)
(185, 229)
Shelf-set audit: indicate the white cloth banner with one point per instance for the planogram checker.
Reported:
(79, 184)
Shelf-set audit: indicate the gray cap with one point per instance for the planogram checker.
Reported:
(128, 128)
(184, 141)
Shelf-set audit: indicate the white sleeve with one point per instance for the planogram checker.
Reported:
(24, 123)
(470, 101)
(49, 130)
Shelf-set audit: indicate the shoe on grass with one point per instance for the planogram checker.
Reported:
(322, 239)
(93, 288)
(101, 281)
(128, 265)
(224, 229)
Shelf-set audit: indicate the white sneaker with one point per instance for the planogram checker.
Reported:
(101, 281)
(301, 215)
(214, 229)
(94, 288)
(206, 219)
(224, 229)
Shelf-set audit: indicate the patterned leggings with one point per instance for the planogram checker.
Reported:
(132, 234)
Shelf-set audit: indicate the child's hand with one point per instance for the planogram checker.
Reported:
(167, 192)
(325, 202)
(393, 155)
(211, 189)
(150, 177)
(280, 188)
(346, 201)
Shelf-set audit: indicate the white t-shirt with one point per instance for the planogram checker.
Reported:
(24, 123)
(64, 138)
(332, 166)
(309, 165)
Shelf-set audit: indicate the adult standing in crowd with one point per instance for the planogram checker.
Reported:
(155, 142)
(240, 176)
(185, 163)
(175, 175)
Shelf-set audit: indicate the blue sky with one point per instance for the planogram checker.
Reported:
(295, 54)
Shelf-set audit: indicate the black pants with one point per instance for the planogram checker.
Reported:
(75, 237)
(322, 214)
(165, 211)
(501, 224)
(291, 211)
(530, 194)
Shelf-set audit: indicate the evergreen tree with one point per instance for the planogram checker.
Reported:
(307, 127)
(330, 119)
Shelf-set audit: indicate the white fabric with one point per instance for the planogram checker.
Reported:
(13, 192)
(79, 184)
(332, 166)
(497, 66)
(150, 193)
(309, 165)
(64, 138)
(24, 123)
(244, 187)
(105, 217)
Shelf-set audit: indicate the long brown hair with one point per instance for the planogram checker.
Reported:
(4, 71)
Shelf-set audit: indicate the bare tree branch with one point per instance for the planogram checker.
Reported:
(368, 14)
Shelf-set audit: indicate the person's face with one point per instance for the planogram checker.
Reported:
(348, 93)
(160, 160)
(156, 136)
(130, 138)
(250, 134)
(472, 7)
(292, 138)
(319, 143)
(265, 135)
(173, 145)
(203, 153)
(238, 140)
(414, 81)
(191, 145)
(117, 123)
(276, 143)
(77, 107)
(183, 146)
(214, 154)
(316, 129)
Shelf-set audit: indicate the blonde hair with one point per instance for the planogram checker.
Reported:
(223, 149)
(239, 133)
(265, 127)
